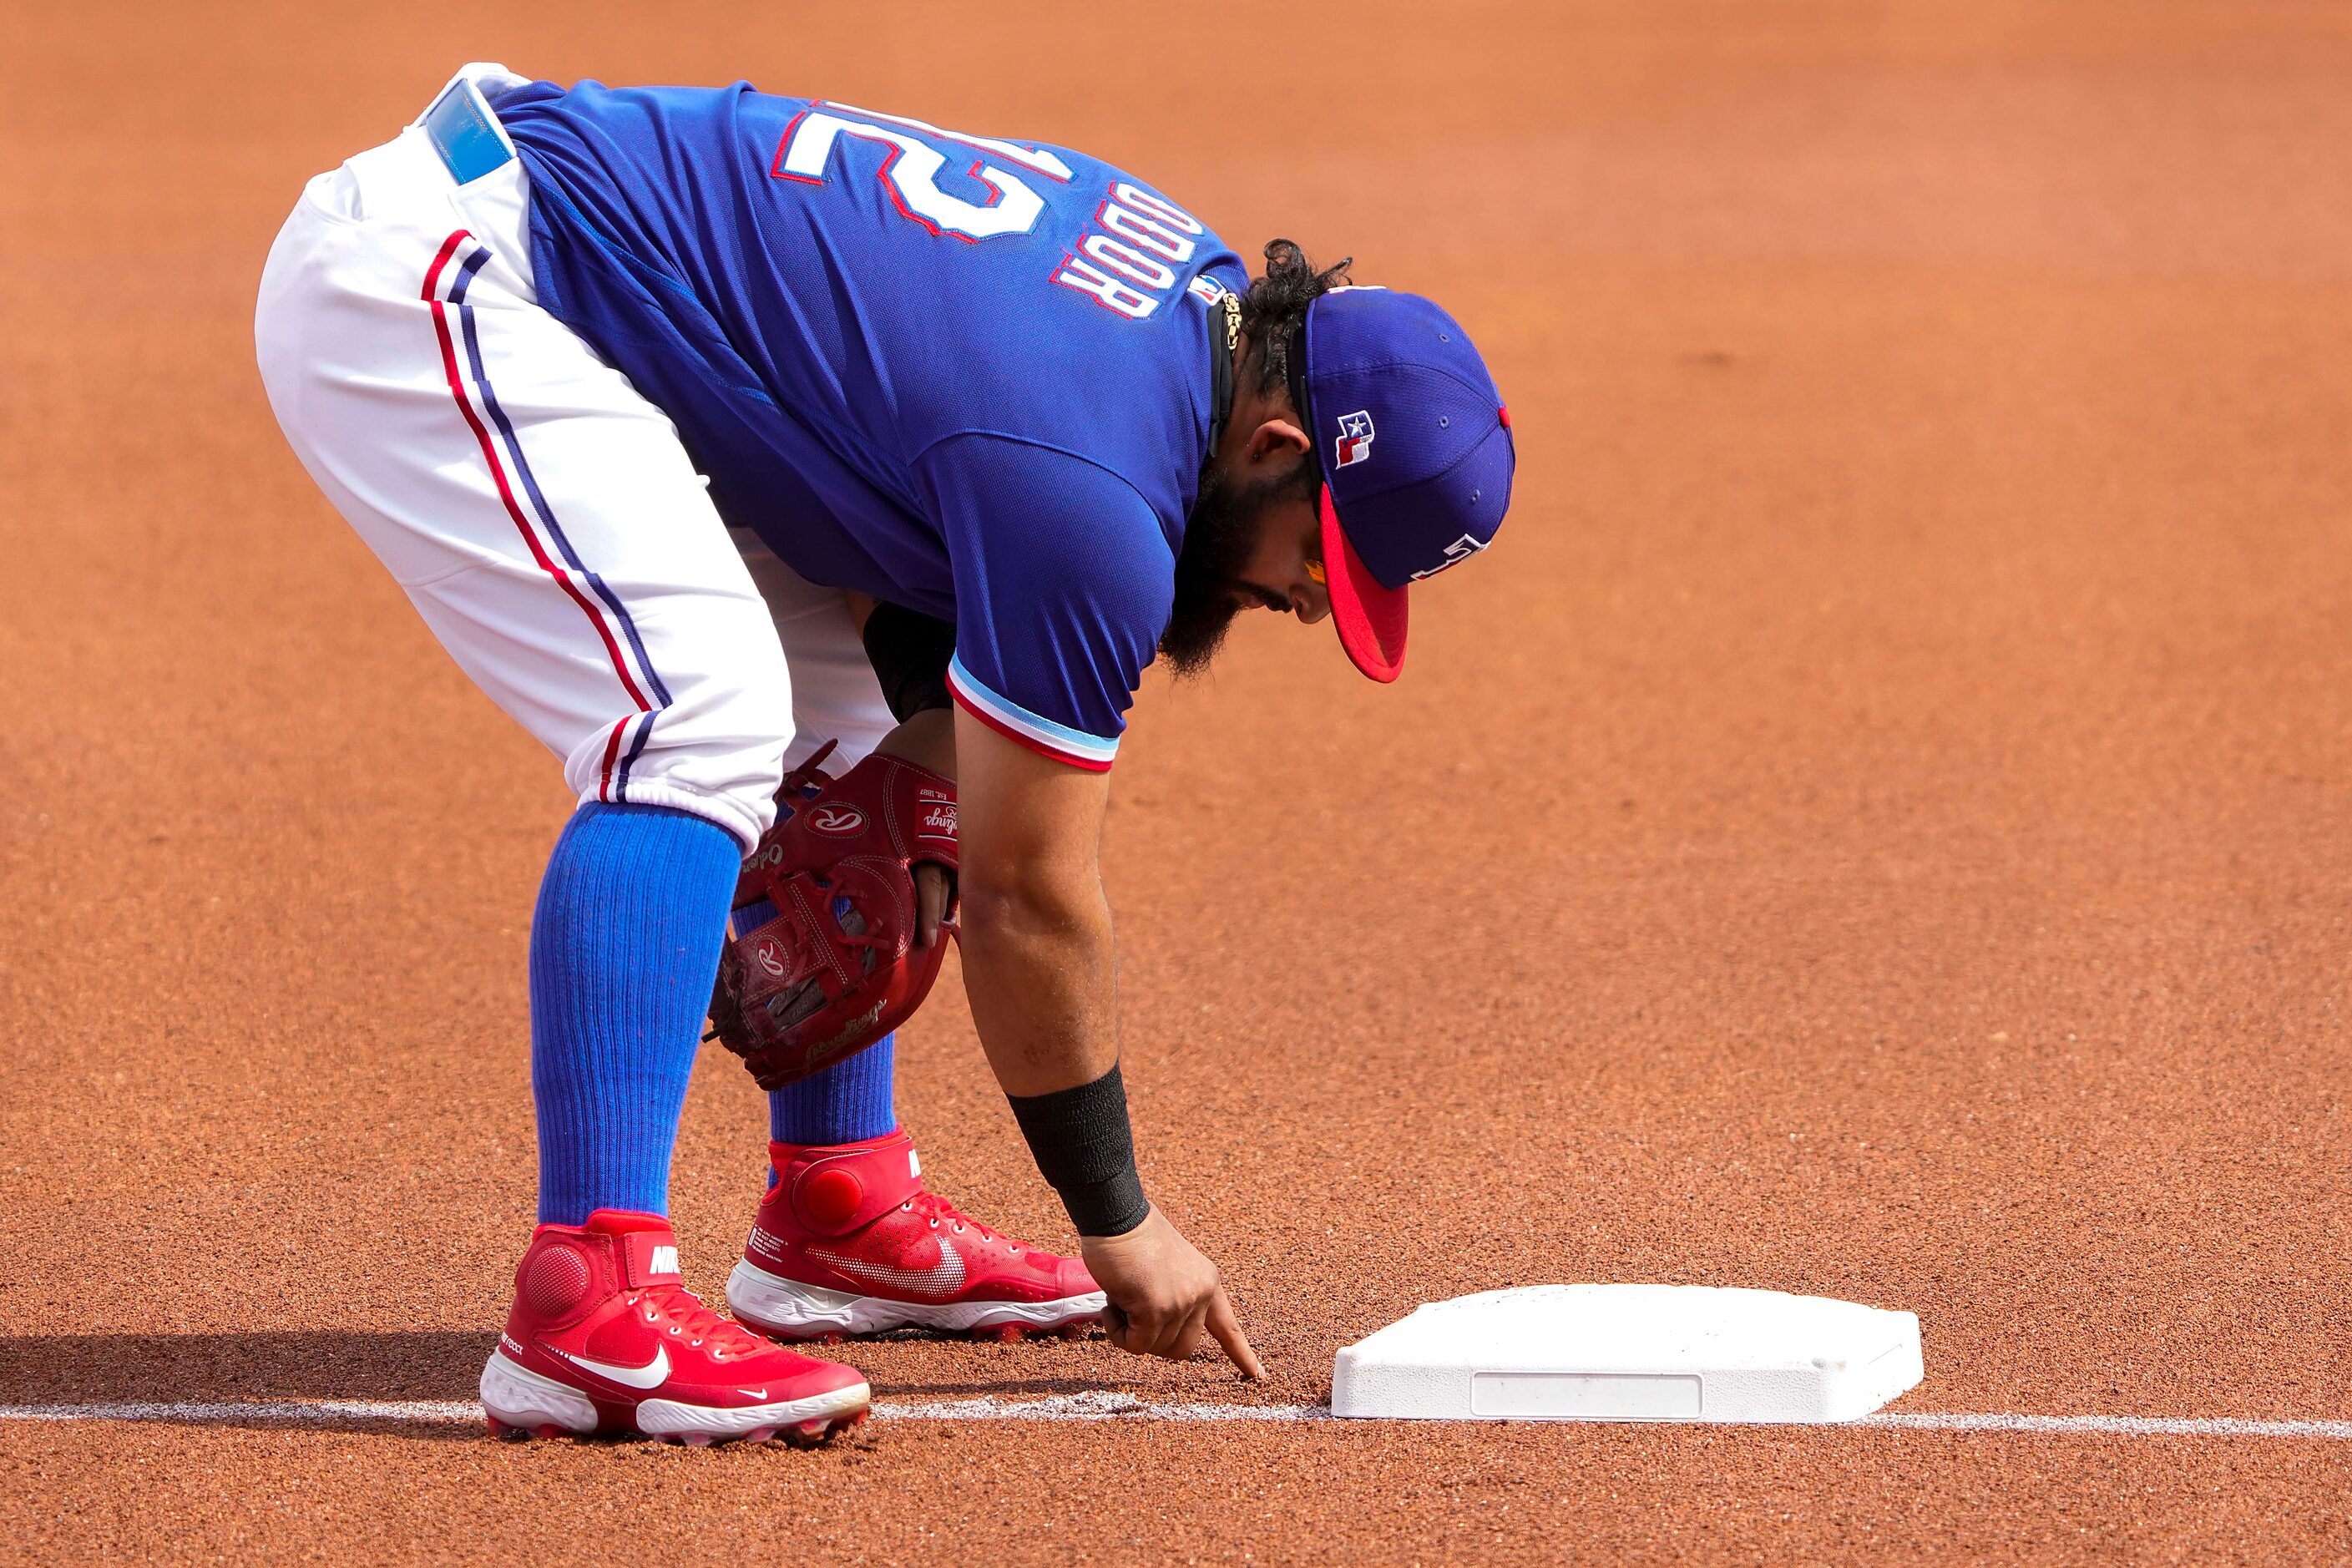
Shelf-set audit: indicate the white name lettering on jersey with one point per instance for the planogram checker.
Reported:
(1130, 265)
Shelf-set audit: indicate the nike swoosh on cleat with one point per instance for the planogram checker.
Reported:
(942, 1279)
(653, 1374)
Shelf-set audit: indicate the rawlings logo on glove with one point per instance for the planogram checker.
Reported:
(839, 820)
(821, 959)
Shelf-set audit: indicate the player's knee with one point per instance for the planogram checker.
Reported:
(716, 749)
(763, 734)
(740, 744)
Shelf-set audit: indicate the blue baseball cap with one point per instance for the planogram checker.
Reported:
(1417, 456)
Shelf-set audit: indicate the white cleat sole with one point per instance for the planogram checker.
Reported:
(521, 1398)
(775, 1305)
(517, 1399)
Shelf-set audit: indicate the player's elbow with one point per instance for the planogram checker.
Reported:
(1031, 901)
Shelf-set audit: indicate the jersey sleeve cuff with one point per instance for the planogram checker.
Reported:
(1045, 737)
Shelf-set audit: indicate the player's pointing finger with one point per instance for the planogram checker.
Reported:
(1226, 1329)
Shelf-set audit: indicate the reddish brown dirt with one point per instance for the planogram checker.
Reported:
(1875, 825)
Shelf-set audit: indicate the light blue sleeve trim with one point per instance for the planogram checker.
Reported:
(1060, 739)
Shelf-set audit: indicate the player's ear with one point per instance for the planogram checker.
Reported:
(1275, 439)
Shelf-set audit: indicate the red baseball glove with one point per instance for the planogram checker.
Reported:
(821, 959)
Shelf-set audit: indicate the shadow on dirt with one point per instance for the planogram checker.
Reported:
(319, 1364)
(198, 1379)
(887, 1388)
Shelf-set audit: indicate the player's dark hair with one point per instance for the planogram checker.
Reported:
(1275, 307)
(1223, 525)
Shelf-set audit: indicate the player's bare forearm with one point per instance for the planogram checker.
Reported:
(1039, 969)
(1038, 946)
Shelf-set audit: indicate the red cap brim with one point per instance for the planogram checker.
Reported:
(1369, 616)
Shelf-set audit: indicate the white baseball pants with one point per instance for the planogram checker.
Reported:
(540, 513)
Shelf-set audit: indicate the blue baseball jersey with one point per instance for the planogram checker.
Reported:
(964, 374)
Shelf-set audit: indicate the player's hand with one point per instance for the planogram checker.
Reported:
(934, 895)
(928, 740)
(1164, 1295)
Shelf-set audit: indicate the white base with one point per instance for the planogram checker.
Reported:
(1632, 1352)
(783, 1306)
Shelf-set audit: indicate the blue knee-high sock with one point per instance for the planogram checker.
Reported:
(847, 1103)
(624, 948)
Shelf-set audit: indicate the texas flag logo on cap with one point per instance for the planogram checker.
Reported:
(1446, 458)
(1355, 442)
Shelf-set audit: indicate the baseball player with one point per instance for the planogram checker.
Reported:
(816, 483)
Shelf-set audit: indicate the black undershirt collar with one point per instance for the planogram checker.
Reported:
(1226, 314)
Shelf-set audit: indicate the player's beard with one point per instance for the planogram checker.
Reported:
(1219, 537)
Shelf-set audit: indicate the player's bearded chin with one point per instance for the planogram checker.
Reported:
(1218, 538)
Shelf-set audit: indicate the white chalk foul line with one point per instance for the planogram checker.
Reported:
(1092, 1407)
(299, 1412)
(2122, 1426)
(1105, 1406)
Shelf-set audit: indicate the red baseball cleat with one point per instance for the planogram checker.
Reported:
(849, 1243)
(604, 1338)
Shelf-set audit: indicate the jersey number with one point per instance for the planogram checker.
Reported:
(911, 171)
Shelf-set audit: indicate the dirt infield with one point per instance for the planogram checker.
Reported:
(1880, 824)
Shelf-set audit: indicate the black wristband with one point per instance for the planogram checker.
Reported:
(1085, 1151)
(910, 652)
